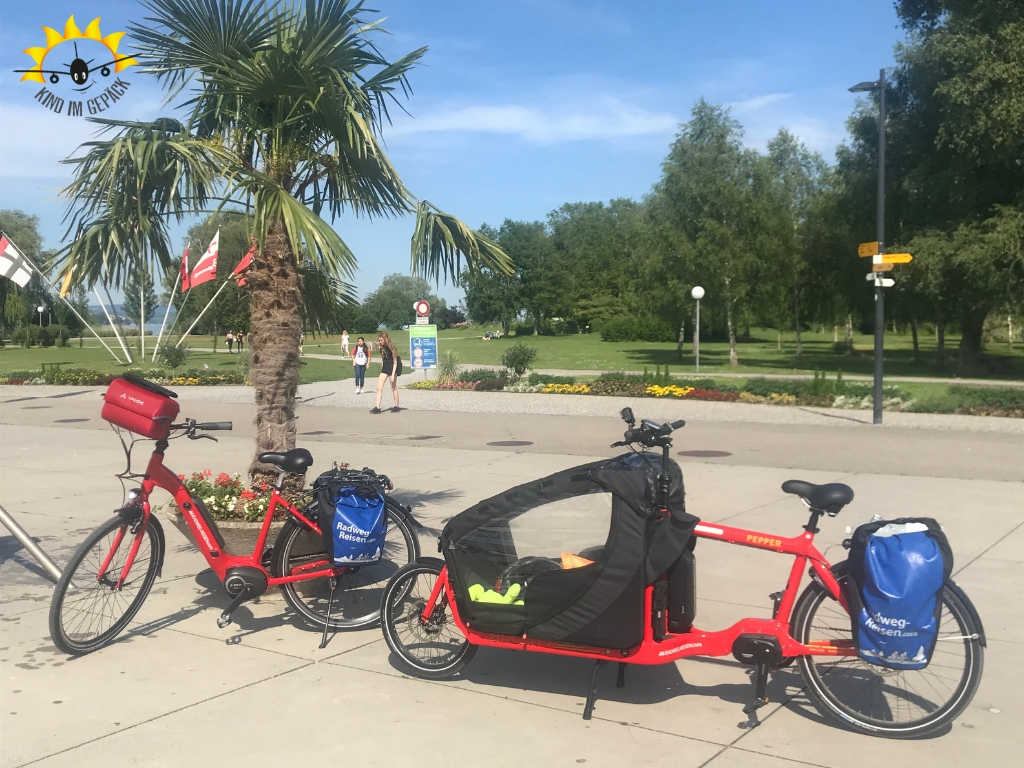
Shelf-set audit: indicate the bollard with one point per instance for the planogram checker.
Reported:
(33, 549)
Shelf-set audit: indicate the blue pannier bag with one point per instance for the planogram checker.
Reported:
(357, 527)
(898, 570)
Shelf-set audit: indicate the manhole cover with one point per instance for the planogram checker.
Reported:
(317, 432)
(67, 421)
(424, 437)
(510, 443)
(705, 454)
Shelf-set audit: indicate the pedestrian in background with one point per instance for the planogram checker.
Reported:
(390, 369)
(230, 339)
(240, 341)
(360, 359)
(344, 342)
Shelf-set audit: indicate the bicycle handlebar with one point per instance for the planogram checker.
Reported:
(649, 433)
(213, 425)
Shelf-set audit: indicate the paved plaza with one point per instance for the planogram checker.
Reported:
(177, 691)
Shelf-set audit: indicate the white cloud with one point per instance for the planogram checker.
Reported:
(605, 118)
(757, 102)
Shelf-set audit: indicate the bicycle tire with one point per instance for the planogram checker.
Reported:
(435, 649)
(872, 712)
(77, 624)
(357, 597)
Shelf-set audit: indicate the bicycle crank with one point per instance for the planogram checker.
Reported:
(242, 583)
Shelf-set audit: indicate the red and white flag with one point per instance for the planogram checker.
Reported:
(206, 268)
(13, 265)
(184, 270)
(243, 265)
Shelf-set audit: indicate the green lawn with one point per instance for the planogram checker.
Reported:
(585, 352)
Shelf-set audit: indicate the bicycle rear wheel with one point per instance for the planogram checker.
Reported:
(895, 703)
(357, 596)
(433, 649)
(88, 610)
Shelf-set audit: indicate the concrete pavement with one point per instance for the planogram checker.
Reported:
(176, 690)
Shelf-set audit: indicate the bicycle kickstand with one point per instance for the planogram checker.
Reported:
(760, 696)
(588, 708)
(330, 604)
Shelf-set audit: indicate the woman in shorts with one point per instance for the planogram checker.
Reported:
(390, 369)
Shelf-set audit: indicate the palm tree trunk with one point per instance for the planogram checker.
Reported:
(275, 325)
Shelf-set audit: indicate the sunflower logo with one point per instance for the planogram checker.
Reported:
(78, 60)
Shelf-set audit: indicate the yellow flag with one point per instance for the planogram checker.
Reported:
(65, 287)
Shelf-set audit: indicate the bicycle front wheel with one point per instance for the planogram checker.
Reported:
(357, 594)
(433, 648)
(895, 703)
(88, 609)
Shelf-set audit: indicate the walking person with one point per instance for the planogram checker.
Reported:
(390, 369)
(360, 359)
(344, 342)
(240, 340)
(230, 338)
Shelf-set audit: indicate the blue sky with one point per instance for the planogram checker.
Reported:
(518, 106)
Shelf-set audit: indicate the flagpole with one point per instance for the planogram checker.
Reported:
(185, 335)
(142, 319)
(111, 321)
(170, 300)
(71, 307)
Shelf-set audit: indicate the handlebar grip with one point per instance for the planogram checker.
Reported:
(678, 424)
(213, 425)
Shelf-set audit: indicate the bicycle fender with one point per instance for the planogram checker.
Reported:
(435, 561)
(969, 606)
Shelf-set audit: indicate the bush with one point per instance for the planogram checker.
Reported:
(543, 378)
(171, 356)
(57, 334)
(523, 329)
(517, 359)
(636, 328)
(476, 374)
(26, 336)
(448, 368)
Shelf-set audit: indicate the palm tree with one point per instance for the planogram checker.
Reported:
(285, 107)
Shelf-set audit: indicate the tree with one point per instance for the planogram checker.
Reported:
(392, 303)
(286, 107)
(131, 305)
(713, 193)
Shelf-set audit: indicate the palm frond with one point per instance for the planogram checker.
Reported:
(126, 188)
(441, 241)
(324, 297)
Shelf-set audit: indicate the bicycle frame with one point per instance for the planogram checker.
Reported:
(159, 476)
(695, 642)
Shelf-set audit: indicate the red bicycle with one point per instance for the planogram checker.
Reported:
(617, 602)
(111, 573)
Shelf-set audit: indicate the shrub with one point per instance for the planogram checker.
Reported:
(636, 328)
(544, 378)
(476, 374)
(171, 356)
(448, 368)
(26, 336)
(58, 334)
(523, 329)
(517, 359)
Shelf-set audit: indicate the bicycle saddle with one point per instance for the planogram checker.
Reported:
(296, 460)
(830, 497)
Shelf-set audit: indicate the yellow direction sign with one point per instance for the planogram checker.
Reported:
(867, 250)
(882, 267)
(897, 258)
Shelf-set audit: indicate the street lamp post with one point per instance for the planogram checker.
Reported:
(878, 85)
(40, 309)
(697, 293)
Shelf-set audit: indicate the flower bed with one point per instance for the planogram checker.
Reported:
(88, 377)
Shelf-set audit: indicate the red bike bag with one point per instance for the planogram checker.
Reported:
(139, 409)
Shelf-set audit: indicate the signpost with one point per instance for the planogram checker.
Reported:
(882, 267)
(423, 346)
(422, 310)
(892, 258)
(867, 250)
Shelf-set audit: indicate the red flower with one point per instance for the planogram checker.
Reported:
(264, 486)
(223, 479)
(248, 495)
(207, 473)
(181, 478)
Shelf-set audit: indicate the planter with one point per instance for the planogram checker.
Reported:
(239, 536)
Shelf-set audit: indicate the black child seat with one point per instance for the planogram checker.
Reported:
(566, 558)
(297, 460)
